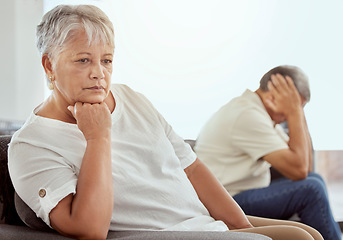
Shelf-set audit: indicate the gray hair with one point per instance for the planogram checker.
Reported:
(298, 76)
(61, 24)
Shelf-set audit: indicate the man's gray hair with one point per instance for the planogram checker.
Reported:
(61, 24)
(298, 76)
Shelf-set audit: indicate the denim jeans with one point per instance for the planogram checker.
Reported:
(283, 198)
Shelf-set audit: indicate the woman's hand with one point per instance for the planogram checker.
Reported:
(94, 120)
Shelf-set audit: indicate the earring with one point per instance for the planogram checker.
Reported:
(51, 85)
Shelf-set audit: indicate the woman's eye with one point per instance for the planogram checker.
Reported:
(107, 61)
(83, 60)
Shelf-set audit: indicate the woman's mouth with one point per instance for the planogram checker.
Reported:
(96, 88)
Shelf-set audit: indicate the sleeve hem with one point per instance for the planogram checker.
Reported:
(51, 202)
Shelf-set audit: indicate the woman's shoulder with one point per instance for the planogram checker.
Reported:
(39, 129)
(126, 93)
(125, 96)
(122, 89)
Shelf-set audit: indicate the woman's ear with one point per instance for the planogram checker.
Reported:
(47, 65)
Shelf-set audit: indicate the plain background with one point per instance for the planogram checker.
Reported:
(189, 57)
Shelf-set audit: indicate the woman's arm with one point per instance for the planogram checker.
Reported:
(215, 197)
(87, 214)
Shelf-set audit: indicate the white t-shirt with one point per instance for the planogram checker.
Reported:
(151, 189)
(235, 138)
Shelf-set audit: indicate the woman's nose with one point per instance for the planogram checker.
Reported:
(97, 72)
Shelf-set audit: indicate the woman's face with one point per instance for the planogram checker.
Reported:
(82, 73)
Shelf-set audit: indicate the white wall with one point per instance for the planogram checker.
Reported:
(21, 81)
(189, 57)
(192, 56)
(7, 66)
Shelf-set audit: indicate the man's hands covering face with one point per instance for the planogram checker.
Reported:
(285, 98)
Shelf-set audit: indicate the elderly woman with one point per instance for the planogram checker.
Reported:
(95, 157)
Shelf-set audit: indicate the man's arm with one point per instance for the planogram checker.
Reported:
(294, 162)
(310, 148)
(214, 196)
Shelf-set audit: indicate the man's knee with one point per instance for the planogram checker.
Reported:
(314, 185)
(316, 176)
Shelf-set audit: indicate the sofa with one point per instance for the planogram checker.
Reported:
(18, 221)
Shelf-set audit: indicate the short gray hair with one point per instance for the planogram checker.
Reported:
(60, 25)
(298, 76)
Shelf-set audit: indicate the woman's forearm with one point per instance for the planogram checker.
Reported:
(94, 192)
(88, 213)
(215, 197)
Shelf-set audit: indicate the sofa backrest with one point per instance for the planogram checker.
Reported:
(8, 213)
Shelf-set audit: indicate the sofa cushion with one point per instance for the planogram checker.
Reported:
(189, 235)
(11, 232)
(8, 232)
(28, 216)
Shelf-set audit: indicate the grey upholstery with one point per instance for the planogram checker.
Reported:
(12, 226)
(11, 232)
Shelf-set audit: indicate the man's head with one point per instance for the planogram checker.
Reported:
(301, 84)
(298, 76)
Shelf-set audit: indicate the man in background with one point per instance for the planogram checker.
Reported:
(243, 139)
